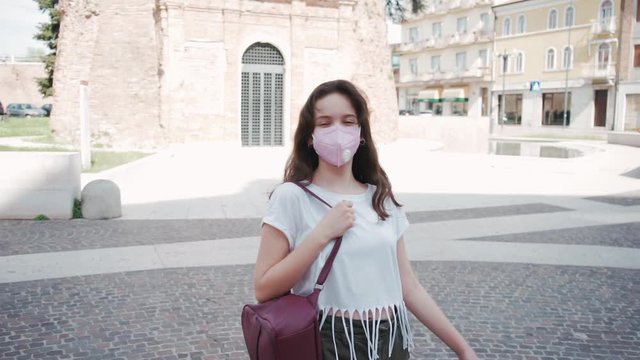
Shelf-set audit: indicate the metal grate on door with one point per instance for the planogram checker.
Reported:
(262, 96)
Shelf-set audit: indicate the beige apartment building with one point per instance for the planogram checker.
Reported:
(628, 104)
(556, 65)
(445, 59)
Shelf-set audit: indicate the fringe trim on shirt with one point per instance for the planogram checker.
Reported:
(397, 315)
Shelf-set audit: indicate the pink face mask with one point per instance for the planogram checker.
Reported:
(336, 144)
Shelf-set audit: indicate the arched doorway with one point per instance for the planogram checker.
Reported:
(262, 96)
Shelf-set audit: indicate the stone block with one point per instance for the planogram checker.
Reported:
(624, 138)
(101, 200)
(34, 183)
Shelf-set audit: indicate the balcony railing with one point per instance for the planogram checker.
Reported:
(466, 73)
(457, 4)
(441, 42)
(454, 4)
(454, 39)
(599, 71)
(405, 47)
(484, 34)
(467, 38)
(409, 78)
(430, 9)
(416, 46)
(604, 72)
(607, 26)
(467, 4)
(437, 75)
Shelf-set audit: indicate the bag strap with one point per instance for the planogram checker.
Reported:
(324, 273)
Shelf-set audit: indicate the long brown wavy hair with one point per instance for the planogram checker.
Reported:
(303, 161)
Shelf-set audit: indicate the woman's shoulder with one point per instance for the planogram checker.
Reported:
(287, 190)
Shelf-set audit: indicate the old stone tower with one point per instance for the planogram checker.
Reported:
(163, 71)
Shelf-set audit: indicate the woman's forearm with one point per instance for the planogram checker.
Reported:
(282, 276)
(422, 305)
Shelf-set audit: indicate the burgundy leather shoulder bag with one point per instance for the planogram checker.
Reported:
(286, 328)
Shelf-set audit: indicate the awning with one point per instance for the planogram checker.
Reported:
(455, 94)
(430, 95)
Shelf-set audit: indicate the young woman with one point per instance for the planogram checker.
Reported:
(364, 303)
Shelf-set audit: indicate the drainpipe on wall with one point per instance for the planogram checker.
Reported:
(618, 61)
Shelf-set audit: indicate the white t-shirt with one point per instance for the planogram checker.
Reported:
(365, 277)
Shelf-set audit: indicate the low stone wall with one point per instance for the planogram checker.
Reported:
(34, 183)
(549, 132)
(624, 138)
(455, 133)
(18, 83)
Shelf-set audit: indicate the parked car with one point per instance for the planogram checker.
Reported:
(406, 112)
(47, 109)
(25, 110)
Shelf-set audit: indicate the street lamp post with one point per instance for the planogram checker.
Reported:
(504, 56)
(567, 64)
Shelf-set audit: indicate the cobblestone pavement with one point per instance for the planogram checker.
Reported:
(506, 311)
(631, 198)
(635, 173)
(29, 237)
(620, 235)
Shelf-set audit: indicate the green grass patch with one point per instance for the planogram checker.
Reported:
(100, 159)
(77, 209)
(104, 160)
(46, 139)
(14, 126)
(34, 149)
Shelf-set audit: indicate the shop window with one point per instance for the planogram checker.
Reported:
(553, 108)
(513, 109)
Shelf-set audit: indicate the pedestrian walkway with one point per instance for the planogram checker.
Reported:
(531, 258)
(490, 200)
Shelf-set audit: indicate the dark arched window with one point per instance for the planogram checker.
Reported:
(261, 113)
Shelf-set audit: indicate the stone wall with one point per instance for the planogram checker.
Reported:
(113, 46)
(18, 83)
(372, 70)
(163, 71)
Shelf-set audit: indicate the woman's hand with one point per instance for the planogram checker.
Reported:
(337, 221)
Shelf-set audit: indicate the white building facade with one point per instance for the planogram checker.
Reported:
(445, 59)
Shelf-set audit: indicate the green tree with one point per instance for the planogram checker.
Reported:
(396, 10)
(48, 32)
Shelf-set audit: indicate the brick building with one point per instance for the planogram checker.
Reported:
(163, 71)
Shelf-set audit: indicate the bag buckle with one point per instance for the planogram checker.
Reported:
(319, 287)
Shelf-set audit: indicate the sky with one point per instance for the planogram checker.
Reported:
(18, 23)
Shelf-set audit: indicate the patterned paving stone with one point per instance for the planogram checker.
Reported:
(28, 237)
(631, 198)
(619, 235)
(506, 311)
(483, 212)
(635, 173)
